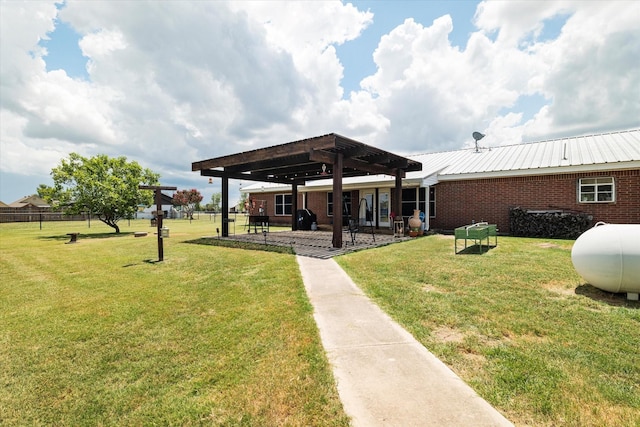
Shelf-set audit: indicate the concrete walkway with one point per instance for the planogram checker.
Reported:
(384, 376)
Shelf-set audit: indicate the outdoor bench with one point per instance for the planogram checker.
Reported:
(73, 237)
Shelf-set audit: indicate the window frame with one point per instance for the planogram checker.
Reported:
(602, 189)
(432, 201)
(281, 205)
(413, 198)
(346, 194)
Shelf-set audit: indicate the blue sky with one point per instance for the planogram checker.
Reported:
(168, 83)
(64, 52)
(355, 55)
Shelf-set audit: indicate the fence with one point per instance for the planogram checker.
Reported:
(36, 215)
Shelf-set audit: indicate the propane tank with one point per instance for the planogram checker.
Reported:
(607, 256)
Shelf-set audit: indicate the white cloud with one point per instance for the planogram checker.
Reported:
(101, 44)
(517, 21)
(435, 94)
(593, 71)
(175, 82)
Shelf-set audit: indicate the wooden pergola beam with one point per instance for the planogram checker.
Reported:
(361, 165)
(290, 149)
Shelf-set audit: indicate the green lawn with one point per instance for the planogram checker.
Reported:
(517, 324)
(98, 333)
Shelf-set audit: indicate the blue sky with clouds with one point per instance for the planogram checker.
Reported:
(168, 83)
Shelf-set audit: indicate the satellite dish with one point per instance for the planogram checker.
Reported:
(477, 136)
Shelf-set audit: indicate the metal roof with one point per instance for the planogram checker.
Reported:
(607, 151)
(616, 150)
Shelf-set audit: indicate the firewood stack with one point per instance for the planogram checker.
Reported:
(555, 224)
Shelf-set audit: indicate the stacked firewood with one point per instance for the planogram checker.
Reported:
(555, 224)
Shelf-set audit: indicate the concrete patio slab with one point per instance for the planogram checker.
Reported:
(317, 244)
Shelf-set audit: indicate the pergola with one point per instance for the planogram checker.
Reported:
(296, 162)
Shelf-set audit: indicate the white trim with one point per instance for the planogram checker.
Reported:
(543, 171)
(596, 193)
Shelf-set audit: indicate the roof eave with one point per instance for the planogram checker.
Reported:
(541, 171)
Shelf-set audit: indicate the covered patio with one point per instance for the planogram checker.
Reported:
(294, 163)
(318, 244)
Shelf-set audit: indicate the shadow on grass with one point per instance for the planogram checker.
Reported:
(82, 236)
(146, 261)
(214, 241)
(475, 250)
(617, 300)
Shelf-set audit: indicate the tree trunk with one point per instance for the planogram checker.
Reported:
(111, 223)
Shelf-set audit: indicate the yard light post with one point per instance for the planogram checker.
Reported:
(158, 199)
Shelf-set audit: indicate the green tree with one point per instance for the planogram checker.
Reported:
(105, 187)
(48, 193)
(188, 200)
(242, 203)
(216, 200)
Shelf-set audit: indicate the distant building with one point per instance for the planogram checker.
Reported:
(32, 201)
(167, 208)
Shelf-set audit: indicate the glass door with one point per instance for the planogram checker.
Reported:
(367, 209)
(384, 204)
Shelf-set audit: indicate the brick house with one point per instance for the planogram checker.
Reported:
(597, 174)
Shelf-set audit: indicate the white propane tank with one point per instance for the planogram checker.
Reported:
(607, 256)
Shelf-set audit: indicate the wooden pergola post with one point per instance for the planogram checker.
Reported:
(294, 206)
(337, 201)
(397, 202)
(225, 206)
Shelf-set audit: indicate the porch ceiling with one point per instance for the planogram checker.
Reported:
(300, 161)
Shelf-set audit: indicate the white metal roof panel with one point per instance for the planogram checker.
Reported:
(609, 148)
(616, 149)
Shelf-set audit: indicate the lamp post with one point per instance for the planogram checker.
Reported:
(158, 199)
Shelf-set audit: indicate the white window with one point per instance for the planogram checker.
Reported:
(346, 204)
(596, 190)
(432, 202)
(283, 204)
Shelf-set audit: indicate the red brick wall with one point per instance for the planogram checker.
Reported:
(316, 202)
(269, 207)
(461, 202)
